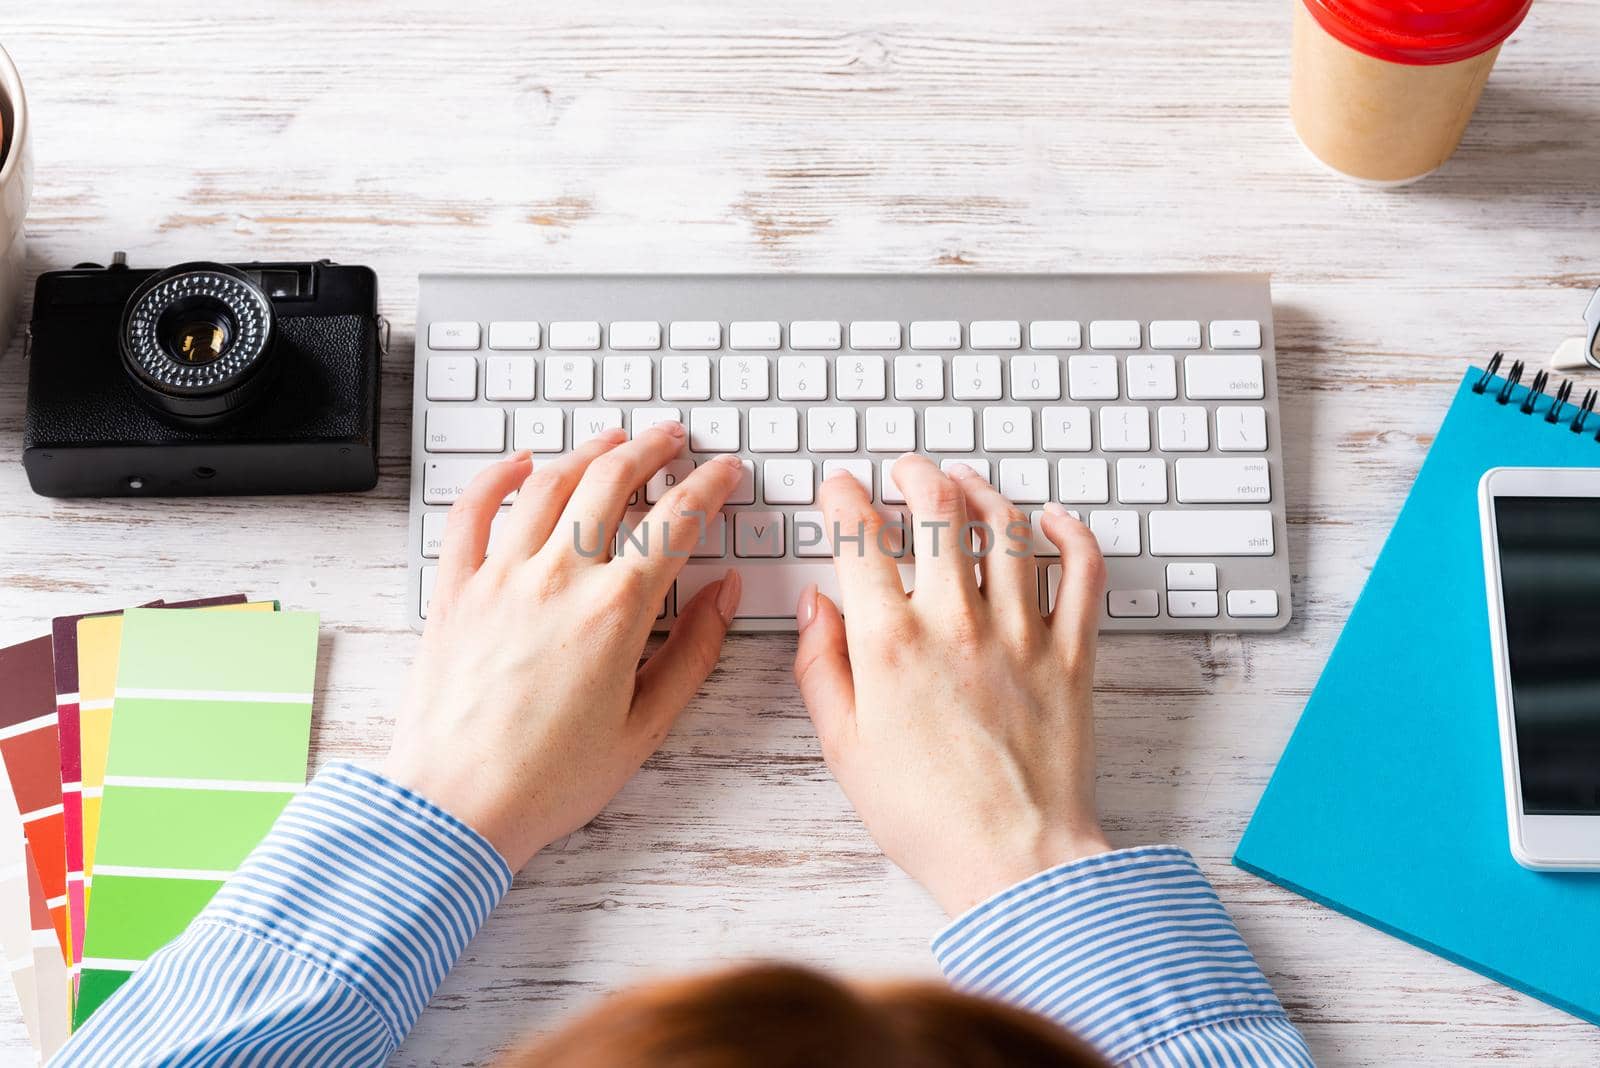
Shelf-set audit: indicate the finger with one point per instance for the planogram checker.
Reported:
(596, 506)
(670, 679)
(822, 670)
(869, 578)
(1075, 621)
(544, 494)
(938, 516)
(674, 525)
(466, 525)
(1010, 576)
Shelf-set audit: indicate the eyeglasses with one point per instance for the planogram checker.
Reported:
(1592, 317)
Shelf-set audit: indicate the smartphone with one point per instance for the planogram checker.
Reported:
(1541, 561)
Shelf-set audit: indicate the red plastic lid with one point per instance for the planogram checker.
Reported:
(1420, 32)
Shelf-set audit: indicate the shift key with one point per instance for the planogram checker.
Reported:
(1198, 532)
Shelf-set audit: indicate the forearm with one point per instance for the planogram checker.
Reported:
(323, 948)
(1133, 951)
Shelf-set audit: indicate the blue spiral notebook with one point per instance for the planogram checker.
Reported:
(1388, 804)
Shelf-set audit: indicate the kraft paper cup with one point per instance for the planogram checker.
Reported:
(1387, 118)
(16, 189)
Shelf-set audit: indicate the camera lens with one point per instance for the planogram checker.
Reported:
(197, 340)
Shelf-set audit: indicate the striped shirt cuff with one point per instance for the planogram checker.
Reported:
(1133, 951)
(370, 881)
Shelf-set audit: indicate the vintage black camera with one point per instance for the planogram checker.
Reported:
(205, 378)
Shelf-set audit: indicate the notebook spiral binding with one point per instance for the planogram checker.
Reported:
(1536, 389)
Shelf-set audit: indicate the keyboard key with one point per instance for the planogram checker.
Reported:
(1223, 377)
(1174, 334)
(769, 592)
(685, 378)
(1253, 604)
(860, 470)
(1124, 428)
(575, 335)
(761, 335)
(713, 539)
(1195, 532)
(592, 422)
(1152, 377)
(802, 378)
(642, 419)
(430, 575)
(627, 336)
(891, 490)
(671, 473)
(1092, 377)
(918, 378)
(831, 429)
(1042, 545)
(814, 334)
(714, 429)
(445, 480)
(1192, 604)
(1132, 604)
(994, 334)
(1241, 428)
(1183, 429)
(891, 430)
(1008, 430)
(970, 462)
(744, 491)
(1055, 334)
(859, 378)
(538, 429)
(509, 378)
(774, 428)
(975, 377)
(695, 334)
(1236, 334)
(1142, 481)
(1222, 481)
(758, 534)
(1191, 576)
(1025, 481)
(452, 378)
(788, 482)
(514, 335)
(875, 335)
(1114, 334)
(433, 534)
(947, 429)
(1083, 481)
(810, 536)
(445, 336)
(465, 430)
(938, 334)
(1117, 531)
(1039, 377)
(1064, 429)
(744, 378)
(569, 378)
(626, 378)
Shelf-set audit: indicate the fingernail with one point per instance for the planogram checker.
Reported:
(519, 457)
(616, 435)
(728, 595)
(674, 428)
(1055, 509)
(839, 474)
(728, 459)
(806, 610)
(960, 471)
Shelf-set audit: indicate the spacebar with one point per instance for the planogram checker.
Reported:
(771, 591)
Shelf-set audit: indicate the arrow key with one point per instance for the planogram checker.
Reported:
(1191, 604)
(1139, 604)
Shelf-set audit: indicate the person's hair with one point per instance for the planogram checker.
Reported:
(778, 1016)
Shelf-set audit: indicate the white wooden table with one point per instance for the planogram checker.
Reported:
(798, 135)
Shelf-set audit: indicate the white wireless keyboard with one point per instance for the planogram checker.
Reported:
(1145, 403)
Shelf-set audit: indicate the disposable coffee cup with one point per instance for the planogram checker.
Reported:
(16, 188)
(1381, 92)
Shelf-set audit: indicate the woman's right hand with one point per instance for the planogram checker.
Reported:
(958, 719)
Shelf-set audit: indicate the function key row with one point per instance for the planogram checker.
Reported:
(692, 335)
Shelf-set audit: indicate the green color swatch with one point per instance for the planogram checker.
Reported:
(161, 827)
(262, 652)
(258, 741)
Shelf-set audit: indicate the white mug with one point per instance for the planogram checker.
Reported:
(16, 188)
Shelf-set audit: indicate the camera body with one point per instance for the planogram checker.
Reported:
(203, 379)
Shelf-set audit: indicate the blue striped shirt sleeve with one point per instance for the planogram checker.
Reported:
(1133, 951)
(322, 949)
